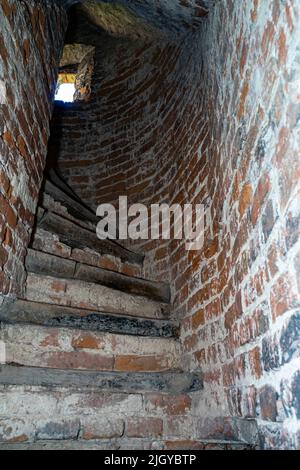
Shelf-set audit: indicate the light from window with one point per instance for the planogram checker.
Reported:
(65, 87)
(65, 92)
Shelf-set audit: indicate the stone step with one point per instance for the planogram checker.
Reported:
(33, 415)
(77, 236)
(64, 348)
(47, 264)
(91, 296)
(47, 242)
(174, 382)
(75, 207)
(37, 313)
(48, 204)
(126, 444)
(54, 176)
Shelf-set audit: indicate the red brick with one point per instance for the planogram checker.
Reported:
(4, 183)
(263, 188)
(8, 138)
(22, 147)
(198, 319)
(245, 198)
(244, 94)
(85, 341)
(141, 363)
(268, 37)
(79, 360)
(190, 342)
(8, 213)
(168, 404)
(283, 296)
(268, 403)
(144, 427)
(255, 362)
(211, 248)
(282, 49)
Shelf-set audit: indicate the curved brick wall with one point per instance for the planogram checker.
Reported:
(143, 117)
(212, 120)
(243, 291)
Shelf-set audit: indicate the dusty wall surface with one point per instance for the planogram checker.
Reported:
(171, 16)
(242, 304)
(29, 55)
(213, 119)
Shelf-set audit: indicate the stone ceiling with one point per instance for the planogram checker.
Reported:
(144, 17)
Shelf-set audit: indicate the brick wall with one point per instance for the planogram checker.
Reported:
(29, 53)
(213, 119)
(140, 113)
(242, 304)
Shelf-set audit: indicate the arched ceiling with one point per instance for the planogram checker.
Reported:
(170, 17)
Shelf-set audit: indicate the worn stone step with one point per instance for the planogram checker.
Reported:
(47, 264)
(125, 444)
(175, 382)
(54, 176)
(47, 242)
(77, 236)
(91, 296)
(75, 207)
(47, 203)
(41, 416)
(64, 348)
(34, 413)
(38, 313)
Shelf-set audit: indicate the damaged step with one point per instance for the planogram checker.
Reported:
(133, 382)
(66, 348)
(91, 296)
(77, 236)
(50, 265)
(74, 207)
(55, 178)
(47, 242)
(38, 313)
